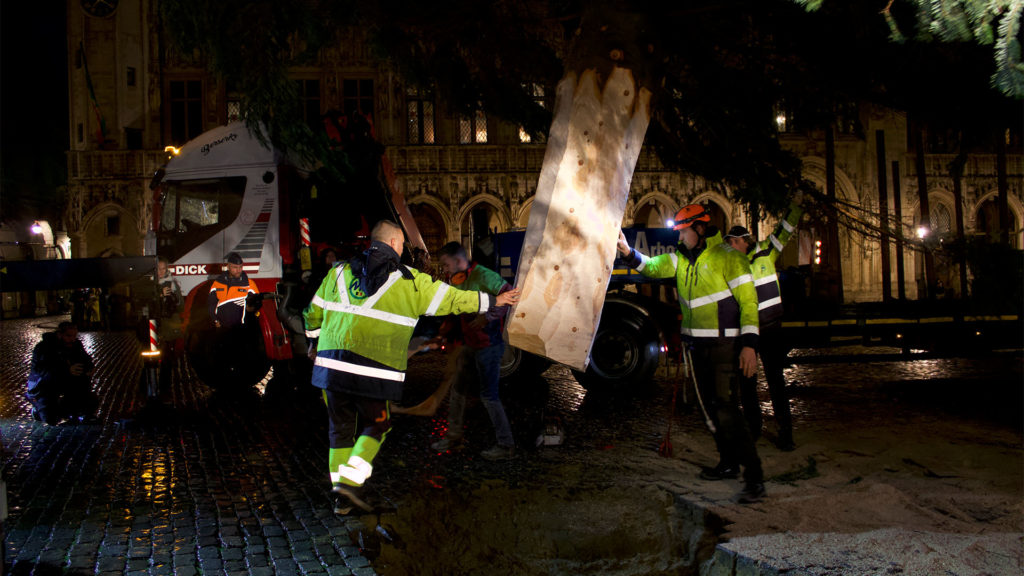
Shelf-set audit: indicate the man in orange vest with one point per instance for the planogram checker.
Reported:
(232, 295)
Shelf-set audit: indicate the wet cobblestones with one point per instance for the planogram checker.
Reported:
(236, 484)
(225, 486)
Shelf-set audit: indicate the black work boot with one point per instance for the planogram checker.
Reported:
(342, 505)
(354, 494)
(785, 441)
(720, 472)
(752, 493)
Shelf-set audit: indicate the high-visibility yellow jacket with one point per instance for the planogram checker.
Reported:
(369, 336)
(762, 266)
(715, 287)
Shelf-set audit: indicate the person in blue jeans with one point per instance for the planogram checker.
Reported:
(479, 359)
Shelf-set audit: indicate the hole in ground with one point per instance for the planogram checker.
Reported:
(497, 530)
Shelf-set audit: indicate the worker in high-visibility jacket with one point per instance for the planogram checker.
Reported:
(773, 348)
(719, 326)
(359, 325)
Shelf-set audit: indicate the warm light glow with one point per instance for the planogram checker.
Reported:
(151, 353)
(36, 228)
(922, 231)
(172, 150)
(780, 121)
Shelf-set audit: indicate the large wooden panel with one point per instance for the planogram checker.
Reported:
(566, 262)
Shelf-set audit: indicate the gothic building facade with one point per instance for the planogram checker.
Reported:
(131, 95)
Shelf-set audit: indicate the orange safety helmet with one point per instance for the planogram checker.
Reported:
(687, 215)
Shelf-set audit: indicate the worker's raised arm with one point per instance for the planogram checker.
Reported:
(662, 266)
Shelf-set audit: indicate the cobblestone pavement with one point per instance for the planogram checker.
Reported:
(228, 486)
(238, 485)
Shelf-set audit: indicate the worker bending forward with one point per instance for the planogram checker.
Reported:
(359, 325)
(719, 324)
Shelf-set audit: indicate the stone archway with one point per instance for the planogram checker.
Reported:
(720, 208)
(654, 210)
(478, 219)
(524, 213)
(859, 257)
(985, 218)
(109, 229)
(433, 222)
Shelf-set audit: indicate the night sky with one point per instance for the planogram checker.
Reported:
(33, 108)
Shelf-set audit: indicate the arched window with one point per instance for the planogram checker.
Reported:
(942, 221)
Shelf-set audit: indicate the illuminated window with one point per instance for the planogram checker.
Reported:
(473, 129)
(419, 107)
(941, 221)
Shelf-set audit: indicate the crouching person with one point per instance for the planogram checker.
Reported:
(59, 381)
(359, 324)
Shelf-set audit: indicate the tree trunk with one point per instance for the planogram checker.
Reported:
(897, 206)
(883, 212)
(569, 249)
(924, 217)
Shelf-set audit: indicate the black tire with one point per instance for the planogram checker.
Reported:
(518, 364)
(227, 360)
(626, 350)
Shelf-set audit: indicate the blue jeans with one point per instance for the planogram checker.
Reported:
(482, 366)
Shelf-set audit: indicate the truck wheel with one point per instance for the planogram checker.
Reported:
(519, 364)
(227, 360)
(626, 351)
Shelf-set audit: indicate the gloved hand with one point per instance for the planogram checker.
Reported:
(253, 302)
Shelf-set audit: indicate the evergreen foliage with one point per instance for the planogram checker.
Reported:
(718, 70)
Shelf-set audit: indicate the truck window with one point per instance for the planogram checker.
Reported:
(194, 210)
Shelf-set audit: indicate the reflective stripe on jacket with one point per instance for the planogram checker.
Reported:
(762, 266)
(378, 327)
(226, 302)
(716, 291)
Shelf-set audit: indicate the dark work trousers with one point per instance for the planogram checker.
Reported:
(74, 398)
(773, 351)
(716, 366)
(352, 416)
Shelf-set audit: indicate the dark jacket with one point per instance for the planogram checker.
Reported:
(51, 366)
(228, 297)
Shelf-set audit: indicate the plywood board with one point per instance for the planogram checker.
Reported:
(569, 247)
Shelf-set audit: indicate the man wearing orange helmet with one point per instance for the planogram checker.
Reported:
(720, 329)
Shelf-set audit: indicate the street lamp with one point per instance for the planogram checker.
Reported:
(922, 232)
(36, 228)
